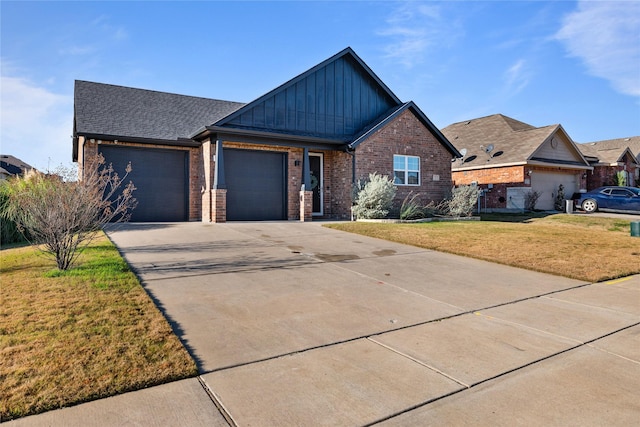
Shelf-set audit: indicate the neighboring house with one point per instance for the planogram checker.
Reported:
(610, 157)
(508, 158)
(11, 166)
(292, 153)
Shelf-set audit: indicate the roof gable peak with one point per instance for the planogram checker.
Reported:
(336, 99)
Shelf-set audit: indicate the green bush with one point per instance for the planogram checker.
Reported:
(374, 198)
(411, 208)
(9, 232)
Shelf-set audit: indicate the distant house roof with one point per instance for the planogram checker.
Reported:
(110, 110)
(10, 165)
(498, 140)
(611, 151)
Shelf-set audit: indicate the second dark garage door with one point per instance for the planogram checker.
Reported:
(160, 177)
(256, 185)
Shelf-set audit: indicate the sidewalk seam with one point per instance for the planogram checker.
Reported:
(217, 403)
(419, 362)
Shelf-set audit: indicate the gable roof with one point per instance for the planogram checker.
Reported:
(110, 110)
(333, 101)
(329, 105)
(395, 112)
(612, 151)
(513, 143)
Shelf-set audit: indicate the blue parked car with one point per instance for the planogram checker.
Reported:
(613, 199)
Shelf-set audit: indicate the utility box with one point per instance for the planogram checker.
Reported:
(635, 228)
(568, 206)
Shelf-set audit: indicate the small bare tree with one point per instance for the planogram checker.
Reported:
(65, 216)
(530, 200)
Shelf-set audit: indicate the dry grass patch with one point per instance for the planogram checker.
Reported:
(585, 248)
(70, 337)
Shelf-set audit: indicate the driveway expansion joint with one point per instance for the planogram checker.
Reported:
(217, 402)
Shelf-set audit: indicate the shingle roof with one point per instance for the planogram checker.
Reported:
(13, 165)
(611, 150)
(104, 109)
(513, 141)
(517, 140)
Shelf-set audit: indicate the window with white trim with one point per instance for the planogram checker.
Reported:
(406, 170)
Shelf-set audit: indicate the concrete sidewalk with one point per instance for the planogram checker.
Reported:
(295, 324)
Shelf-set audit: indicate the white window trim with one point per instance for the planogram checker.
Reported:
(406, 170)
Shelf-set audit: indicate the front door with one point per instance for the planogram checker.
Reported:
(315, 168)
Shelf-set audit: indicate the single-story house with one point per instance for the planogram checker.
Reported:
(610, 157)
(293, 153)
(11, 166)
(508, 158)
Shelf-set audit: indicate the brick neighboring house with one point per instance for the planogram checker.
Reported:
(610, 157)
(11, 166)
(292, 153)
(508, 158)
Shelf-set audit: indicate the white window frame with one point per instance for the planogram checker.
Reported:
(405, 170)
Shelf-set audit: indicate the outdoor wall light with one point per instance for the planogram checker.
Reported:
(296, 162)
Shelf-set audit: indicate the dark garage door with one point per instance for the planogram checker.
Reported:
(160, 177)
(256, 185)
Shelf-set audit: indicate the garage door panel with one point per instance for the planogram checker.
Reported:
(160, 179)
(547, 184)
(256, 185)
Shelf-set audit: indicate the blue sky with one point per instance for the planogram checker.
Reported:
(567, 62)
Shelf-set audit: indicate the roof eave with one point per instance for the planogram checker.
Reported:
(180, 142)
(271, 136)
(480, 167)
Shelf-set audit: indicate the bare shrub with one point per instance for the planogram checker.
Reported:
(64, 216)
(530, 200)
(463, 199)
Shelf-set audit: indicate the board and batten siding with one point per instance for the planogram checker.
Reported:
(336, 101)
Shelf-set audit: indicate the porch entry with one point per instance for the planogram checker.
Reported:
(316, 161)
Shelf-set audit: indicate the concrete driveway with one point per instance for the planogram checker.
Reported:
(293, 324)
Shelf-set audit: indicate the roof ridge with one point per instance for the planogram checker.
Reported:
(158, 91)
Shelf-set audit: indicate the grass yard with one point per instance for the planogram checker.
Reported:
(70, 337)
(587, 248)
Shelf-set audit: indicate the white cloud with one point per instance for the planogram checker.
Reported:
(606, 36)
(414, 28)
(517, 77)
(36, 123)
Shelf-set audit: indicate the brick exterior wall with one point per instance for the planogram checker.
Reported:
(503, 178)
(606, 175)
(406, 135)
(337, 185)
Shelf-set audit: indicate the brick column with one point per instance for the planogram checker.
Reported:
(219, 205)
(306, 205)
